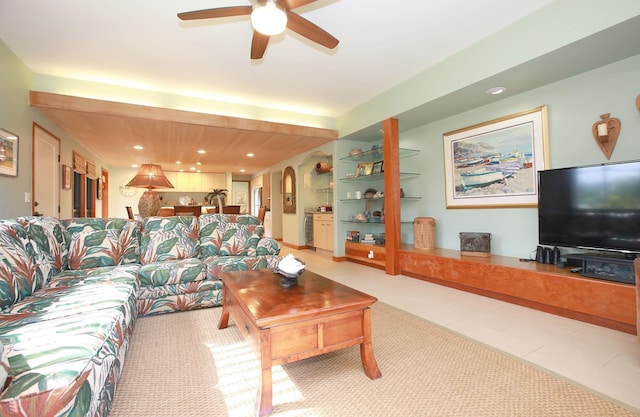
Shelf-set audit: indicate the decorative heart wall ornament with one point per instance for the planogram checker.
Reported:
(605, 132)
(638, 102)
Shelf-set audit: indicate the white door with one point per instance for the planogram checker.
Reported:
(46, 173)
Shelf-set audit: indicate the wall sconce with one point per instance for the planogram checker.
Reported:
(605, 132)
(149, 176)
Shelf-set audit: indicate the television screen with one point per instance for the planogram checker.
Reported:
(592, 207)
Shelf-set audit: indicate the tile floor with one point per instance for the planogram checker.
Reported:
(600, 359)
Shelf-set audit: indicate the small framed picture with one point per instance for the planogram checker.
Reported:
(8, 153)
(66, 177)
(365, 168)
(377, 167)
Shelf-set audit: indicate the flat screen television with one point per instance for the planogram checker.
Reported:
(591, 207)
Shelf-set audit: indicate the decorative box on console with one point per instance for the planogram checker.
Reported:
(475, 244)
(424, 233)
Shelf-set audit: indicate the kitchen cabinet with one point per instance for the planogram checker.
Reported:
(323, 231)
(212, 180)
(196, 181)
(188, 181)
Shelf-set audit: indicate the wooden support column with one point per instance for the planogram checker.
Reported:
(391, 195)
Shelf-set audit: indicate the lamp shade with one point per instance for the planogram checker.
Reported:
(149, 176)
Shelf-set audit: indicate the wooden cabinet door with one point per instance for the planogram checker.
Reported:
(213, 180)
(323, 231)
(319, 234)
(188, 181)
(329, 234)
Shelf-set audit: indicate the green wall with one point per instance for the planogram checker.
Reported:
(574, 105)
(15, 79)
(16, 116)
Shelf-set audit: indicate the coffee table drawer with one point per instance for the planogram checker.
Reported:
(249, 331)
(309, 338)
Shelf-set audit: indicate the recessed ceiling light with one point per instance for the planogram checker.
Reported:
(201, 151)
(135, 166)
(496, 90)
(178, 162)
(250, 155)
(242, 170)
(198, 163)
(192, 168)
(138, 147)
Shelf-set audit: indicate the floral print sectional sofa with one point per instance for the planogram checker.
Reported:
(71, 290)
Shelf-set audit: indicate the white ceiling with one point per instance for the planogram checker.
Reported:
(143, 44)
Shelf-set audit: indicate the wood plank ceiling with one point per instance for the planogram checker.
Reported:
(111, 129)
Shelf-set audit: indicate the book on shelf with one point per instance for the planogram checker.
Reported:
(367, 241)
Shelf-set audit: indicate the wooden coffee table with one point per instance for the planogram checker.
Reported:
(286, 325)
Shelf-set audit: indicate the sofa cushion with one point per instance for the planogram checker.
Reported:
(97, 243)
(103, 275)
(229, 235)
(48, 237)
(66, 347)
(18, 271)
(171, 272)
(169, 238)
(179, 297)
(216, 265)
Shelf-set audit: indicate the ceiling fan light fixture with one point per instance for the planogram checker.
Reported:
(269, 19)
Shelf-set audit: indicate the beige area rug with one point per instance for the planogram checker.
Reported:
(181, 365)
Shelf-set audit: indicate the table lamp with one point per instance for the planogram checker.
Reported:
(149, 176)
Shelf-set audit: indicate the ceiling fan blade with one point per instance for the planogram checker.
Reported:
(292, 4)
(258, 44)
(309, 30)
(219, 12)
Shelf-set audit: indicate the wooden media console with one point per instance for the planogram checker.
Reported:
(530, 284)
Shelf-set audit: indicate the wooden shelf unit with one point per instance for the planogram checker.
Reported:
(358, 252)
(530, 284)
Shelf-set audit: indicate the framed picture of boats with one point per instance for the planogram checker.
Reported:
(496, 163)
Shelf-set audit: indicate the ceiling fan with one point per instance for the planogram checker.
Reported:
(269, 17)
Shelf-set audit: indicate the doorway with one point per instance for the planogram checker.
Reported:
(45, 173)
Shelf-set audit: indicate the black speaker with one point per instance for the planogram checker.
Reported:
(548, 256)
(540, 254)
(555, 255)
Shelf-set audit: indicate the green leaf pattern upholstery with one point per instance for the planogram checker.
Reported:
(179, 297)
(17, 263)
(71, 290)
(171, 272)
(169, 238)
(95, 243)
(67, 345)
